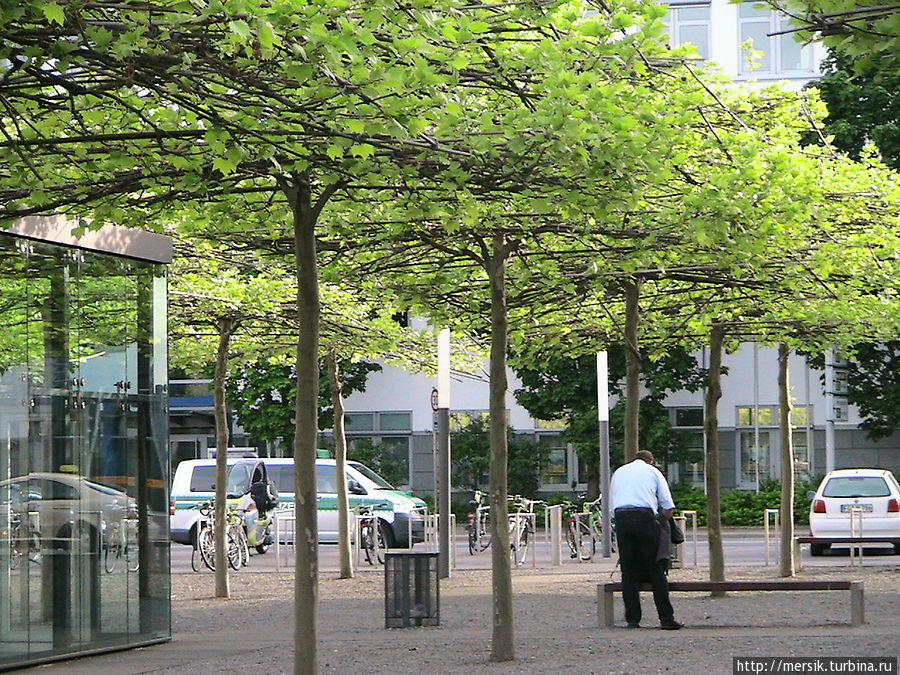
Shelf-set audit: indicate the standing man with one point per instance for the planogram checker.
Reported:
(637, 491)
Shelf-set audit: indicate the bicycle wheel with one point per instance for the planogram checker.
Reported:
(587, 545)
(112, 553)
(206, 543)
(572, 539)
(235, 555)
(17, 546)
(381, 546)
(245, 546)
(484, 531)
(519, 547)
(367, 540)
(473, 538)
(132, 559)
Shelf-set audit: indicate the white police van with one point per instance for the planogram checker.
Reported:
(403, 514)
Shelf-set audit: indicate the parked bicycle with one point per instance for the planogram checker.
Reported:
(521, 526)
(24, 542)
(120, 544)
(584, 527)
(371, 533)
(238, 552)
(478, 526)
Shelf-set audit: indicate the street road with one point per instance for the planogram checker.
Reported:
(742, 548)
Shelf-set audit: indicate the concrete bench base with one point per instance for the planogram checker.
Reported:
(606, 598)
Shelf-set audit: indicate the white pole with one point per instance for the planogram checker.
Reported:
(445, 535)
(603, 420)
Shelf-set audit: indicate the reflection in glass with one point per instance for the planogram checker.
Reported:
(83, 501)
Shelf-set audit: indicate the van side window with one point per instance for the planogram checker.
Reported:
(326, 479)
(283, 476)
(203, 478)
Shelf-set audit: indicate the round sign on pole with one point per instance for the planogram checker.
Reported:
(434, 399)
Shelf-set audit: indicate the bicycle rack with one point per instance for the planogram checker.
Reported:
(278, 517)
(775, 516)
(856, 527)
(693, 515)
(553, 532)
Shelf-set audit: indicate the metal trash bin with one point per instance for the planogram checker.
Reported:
(411, 590)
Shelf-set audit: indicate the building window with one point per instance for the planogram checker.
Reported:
(693, 472)
(747, 416)
(388, 456)
(687, 417)
(356, 422)
(463, 419)
(754, 460)
(395, 421)
(770, 55)
(689, 24)
(556, 472)
(800, 446)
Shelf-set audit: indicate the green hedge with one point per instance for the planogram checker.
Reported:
(743, 507)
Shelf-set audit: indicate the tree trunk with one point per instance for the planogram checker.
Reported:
(632, 369)
(340, 459)
(306, 578)
(786, 543)
(713, 489)
(502, 643)
(227, 326)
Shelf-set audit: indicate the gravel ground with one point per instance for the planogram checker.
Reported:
(555, 626)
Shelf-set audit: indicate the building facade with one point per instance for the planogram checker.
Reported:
(84, 551)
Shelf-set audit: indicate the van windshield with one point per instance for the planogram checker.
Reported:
(371, 475)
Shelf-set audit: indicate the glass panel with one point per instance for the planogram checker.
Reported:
(754, 460)
(801, 455)
(20, 550)
(693, 13)
(697, 36)
(800, 416)
(794, 56)
(856, 486)
(326, 479)
(461, 420)
(393, 463)
(693, 472)
(556, 471)
(689, 417)
(83, 462)
(401, 421)
(766, 416)
(359, 422)
(762, 62)
(754, 9)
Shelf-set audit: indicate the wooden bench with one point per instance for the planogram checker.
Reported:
(605, 597)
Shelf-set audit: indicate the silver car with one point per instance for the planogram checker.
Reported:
(63, 507)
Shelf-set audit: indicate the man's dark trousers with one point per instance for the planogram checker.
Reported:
(637, 536)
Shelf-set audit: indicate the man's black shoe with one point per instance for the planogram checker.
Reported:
(633, 625)
(670, 625)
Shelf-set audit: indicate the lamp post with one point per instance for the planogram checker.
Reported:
(603, 420)
(445, 536)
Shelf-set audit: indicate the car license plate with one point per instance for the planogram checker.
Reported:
(865, 508)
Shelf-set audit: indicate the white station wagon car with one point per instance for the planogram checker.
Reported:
(873, 494)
